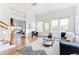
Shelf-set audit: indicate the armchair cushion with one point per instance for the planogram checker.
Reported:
(63, 35)
(70, 36)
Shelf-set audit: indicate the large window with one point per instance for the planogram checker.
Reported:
(64, 25)
(40, 26)
(55, 28)
(77, 24)
(59, 25)
(54, 25)
(46, 26)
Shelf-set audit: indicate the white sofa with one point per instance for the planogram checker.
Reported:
(70, 36)
(43, 34)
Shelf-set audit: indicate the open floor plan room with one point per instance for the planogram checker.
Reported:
(39, 29)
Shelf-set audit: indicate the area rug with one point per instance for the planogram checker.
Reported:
(51, 50)
(29, 51)
(37, 48)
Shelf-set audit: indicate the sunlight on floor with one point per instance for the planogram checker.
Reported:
(5, 47)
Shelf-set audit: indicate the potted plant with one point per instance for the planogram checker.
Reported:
(50, 36)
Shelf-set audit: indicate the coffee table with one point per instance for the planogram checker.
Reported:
(48, 42)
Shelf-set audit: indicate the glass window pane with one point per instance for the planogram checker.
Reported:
(55, 28)
(77, 24)
(46, 26)
(64, 25)
(54, 25)
(40, 26)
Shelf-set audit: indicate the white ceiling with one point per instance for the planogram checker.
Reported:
(42, 7)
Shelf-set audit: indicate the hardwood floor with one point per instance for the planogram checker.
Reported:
(11, 51)
(23, 42)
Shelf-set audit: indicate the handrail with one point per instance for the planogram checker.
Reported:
(4, 25)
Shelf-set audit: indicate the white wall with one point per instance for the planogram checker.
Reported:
(5, 17)
(30, 23)
(77, 9)
(4, 13)
(17, 14)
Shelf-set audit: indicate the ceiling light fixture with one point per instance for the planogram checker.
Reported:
(34, 4)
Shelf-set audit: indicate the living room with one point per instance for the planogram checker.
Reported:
(56, 21)
(42, 28)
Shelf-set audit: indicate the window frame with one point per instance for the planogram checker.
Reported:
(41, 27)
(64, 25)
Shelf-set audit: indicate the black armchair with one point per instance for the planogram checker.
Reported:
(34, 33)
(63, 35)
